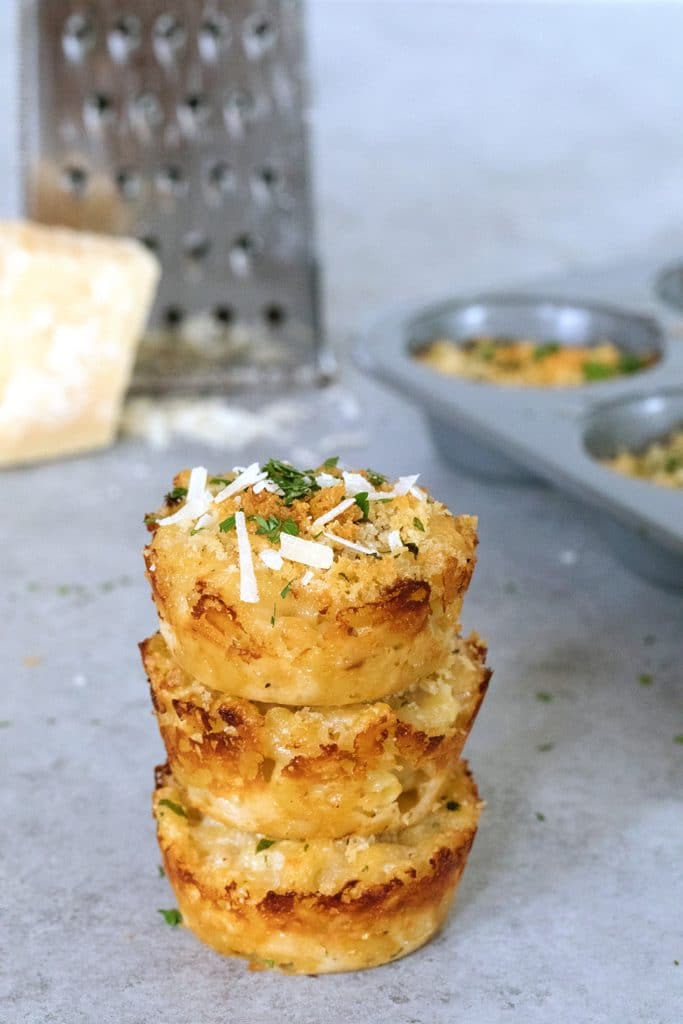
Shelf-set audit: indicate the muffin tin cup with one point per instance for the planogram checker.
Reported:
(556, 434)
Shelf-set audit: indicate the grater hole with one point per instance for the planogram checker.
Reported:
(274, 315)
(151, 242)
(241, 256)
(220, 177)
(168, 37)
(75, 179)
(194, 111)
(128, 183)
(196, 246)
(98, 110)
(264, 183)
(173, 316)
(124, 37)
(239, 111)
(147, 111)
(78, 36)
(258, 35)
(214, 36)
(224, 315)
(171, 180)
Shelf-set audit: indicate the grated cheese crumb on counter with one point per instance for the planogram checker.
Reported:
(248, 586)
(306, 552)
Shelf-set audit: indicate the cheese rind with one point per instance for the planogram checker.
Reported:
(72, 308)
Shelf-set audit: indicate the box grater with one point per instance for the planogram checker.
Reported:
(184, 123)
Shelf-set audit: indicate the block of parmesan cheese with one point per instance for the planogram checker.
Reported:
(72, 309)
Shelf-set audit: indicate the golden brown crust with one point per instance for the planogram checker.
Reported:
(367, 627)
(300, 773)
(322, 905)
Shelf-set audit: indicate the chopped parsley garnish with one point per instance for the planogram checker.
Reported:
(286, 589)
(549, 349)
(272, 617)
(679, 738)
(645, 679)
(150, 519)
(331, 463)
(363, 504)
(540, 816)
(673, 463)
(5, 723)
(598, 371)
(269, 963)
(172, 806)
(272, 527)
(220, 480)
(452, 805)
(265, 844)
(294, 483)
(172, 917)
(227, 524)
(543, 748)
(629, 362)
(174, 496)
(544, 696)
(418, 524)
(376, 479)
(160, 869)
(412, 548)
(485, 350)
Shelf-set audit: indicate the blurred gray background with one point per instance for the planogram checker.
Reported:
(463, 144)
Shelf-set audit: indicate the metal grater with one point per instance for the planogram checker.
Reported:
(183, 123)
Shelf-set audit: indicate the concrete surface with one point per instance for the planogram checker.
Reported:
(433, 175)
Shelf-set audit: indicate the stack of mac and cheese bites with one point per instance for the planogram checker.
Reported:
(314, 695)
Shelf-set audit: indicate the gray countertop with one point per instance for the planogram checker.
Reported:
(570, 908)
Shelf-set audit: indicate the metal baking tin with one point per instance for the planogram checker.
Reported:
(513, 434)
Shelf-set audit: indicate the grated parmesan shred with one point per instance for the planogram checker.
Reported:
(246, 478)
(271, 559)
(306, 552)
(332, 514)
(248, 585)
(361, 548)
(197, 501)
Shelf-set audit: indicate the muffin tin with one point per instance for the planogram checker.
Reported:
(515, 434)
